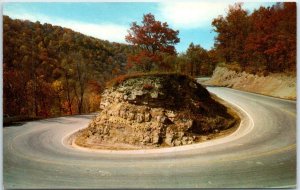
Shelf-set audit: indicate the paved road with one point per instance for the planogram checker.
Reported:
(261, 153)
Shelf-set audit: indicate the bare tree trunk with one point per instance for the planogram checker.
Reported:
(35, 95)
(192, 69)
(81, 99)
(59, 102)
(68, 94)
(80, 78)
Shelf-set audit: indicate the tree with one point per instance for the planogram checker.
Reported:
(46, 68)
(151, 37)
(198, 58)
(272, 40)
(58, 89)
(81, 78)
(232, 32)
(262, 41)
(182, 63)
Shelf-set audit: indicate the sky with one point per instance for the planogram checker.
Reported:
(111, 20)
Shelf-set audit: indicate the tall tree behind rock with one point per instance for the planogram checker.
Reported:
(198, 58)
(152, 37)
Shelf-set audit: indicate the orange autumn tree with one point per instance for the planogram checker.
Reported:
(261, 41)
(232, 32)
(271, 42)
(154, 39)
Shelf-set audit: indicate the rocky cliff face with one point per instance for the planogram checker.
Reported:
(155, 110)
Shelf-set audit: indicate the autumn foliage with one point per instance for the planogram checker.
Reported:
(264, 39)
(154, 39)
(52, 71)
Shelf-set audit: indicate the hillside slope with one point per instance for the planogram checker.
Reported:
(277, 85)
(50, 70)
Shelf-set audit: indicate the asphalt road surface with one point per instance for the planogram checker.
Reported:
(261, 153)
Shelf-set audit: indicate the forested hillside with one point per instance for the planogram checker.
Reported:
(50, 70)
(264, 40)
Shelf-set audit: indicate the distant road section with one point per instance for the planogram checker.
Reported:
(261, 153)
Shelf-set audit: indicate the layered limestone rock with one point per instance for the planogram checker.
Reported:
(156, 110)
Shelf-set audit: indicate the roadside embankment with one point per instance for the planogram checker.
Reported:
(277, 85)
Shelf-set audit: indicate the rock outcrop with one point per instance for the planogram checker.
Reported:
(277, 85)
(156, 110)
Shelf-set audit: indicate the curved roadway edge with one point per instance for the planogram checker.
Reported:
(261, 153)
(246, 122)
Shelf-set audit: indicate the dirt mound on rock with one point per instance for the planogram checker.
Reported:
(155, 110)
